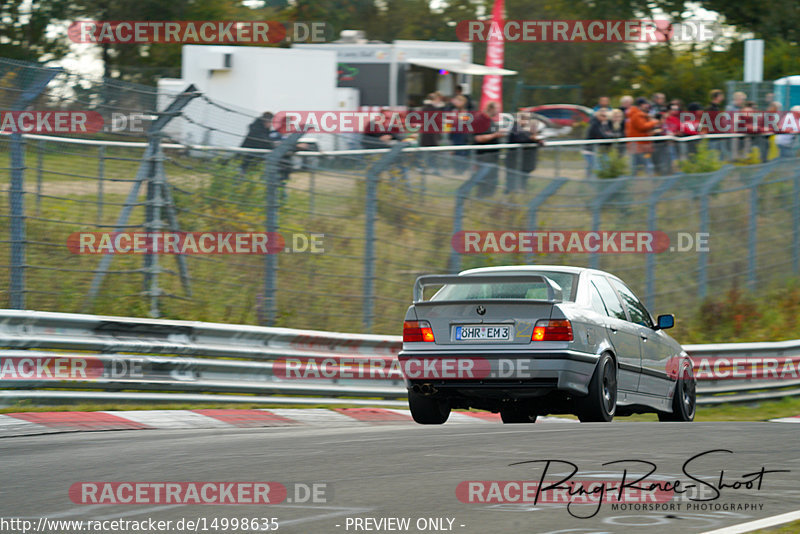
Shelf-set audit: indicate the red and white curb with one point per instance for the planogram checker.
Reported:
(30, 423)
(793, 419)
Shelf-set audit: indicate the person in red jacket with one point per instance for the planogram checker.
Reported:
(639, 124)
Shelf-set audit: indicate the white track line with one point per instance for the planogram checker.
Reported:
(793, 419)
(316, 416)
(757, 524)
(169, 419)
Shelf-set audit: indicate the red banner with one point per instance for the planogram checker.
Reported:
(492, 90)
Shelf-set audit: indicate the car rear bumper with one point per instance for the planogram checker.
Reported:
(512, 374)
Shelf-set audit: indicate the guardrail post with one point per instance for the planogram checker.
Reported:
(650, 259)
(458, 212)
(273, 162)
(538, 200)
(611, 187)
(702, 257)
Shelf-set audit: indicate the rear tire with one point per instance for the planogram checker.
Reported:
(684, 401)
(512, 416)
(600, 404)
(428, 410)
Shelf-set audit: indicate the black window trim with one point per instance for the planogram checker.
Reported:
(625, 304)
(619, 299)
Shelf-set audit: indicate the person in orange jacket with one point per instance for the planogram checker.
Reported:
(639, 124)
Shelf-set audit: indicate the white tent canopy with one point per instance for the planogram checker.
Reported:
(462, 67)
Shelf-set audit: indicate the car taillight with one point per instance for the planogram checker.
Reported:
(552, 330)
(417, 331)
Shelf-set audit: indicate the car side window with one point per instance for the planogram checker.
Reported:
(596, 300)
(610, 299)
(636, 309)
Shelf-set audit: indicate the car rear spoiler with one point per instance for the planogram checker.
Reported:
(554, 293)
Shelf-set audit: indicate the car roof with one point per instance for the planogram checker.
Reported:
(533, 268)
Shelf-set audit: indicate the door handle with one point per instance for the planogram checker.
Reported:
(644, 338)
(613, 330)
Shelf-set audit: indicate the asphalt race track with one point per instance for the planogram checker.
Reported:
(405, 471)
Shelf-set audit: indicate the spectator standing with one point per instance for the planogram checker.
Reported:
(258, 136)
(692, 127)
(659, 104)
(490, 135)
(616, 128)
(716, 97)
(625, 104)
(458, 104)
(598, 129)
(787, 141)
(639, 124)
(433, 104)
(737, 103)
(520, 162)
(602, 102)
(459, 91)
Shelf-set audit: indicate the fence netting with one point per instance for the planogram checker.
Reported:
(380, 218)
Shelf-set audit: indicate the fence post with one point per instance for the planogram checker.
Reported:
(16, 192)
(273, 165)
(144, 172)
(650, 259)
(17, 201)
(611, 188)
(101, 170)
(154, 224)
(752, 226)
(796, 222)
(458, 212)
(702, 258)
(538, 200)
(371, 215)
(557, 163)
(39, 175)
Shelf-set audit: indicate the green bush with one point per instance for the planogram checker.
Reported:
(704, 160)
(613, 164)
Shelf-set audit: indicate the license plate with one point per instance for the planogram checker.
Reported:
(482, 332)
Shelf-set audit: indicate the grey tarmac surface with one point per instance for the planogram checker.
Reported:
(406, 471)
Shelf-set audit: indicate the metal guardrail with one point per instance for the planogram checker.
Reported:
(46, 356)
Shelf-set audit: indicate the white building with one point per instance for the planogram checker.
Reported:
(250, 81)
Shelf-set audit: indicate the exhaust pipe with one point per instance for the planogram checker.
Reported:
(424, 389)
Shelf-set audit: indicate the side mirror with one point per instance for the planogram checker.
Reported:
(665, 321)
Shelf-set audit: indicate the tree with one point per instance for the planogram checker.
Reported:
(23, 29)
(777, 19)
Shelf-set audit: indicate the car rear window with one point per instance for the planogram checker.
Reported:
(505, 290)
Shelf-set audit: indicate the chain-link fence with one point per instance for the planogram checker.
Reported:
(380, 217)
